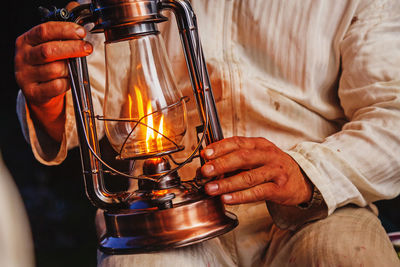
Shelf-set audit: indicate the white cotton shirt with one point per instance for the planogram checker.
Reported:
(320, 79)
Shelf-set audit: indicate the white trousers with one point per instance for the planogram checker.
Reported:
(351, 236)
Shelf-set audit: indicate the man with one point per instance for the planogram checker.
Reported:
(313, 89)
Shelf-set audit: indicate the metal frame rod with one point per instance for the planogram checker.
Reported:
(187, 25)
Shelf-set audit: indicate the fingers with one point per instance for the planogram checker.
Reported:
(242, 159)
(230, 144)
(290, 193)
(262, 172)
(246, 179)
(41, 93)
(39, 67)
(49, 42)
(57, 50)
(41, 82)
(48, 72)
(262, 192)
(264, 183)
(52, 31)
(236, 153)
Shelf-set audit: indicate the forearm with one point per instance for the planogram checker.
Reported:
(50, 116)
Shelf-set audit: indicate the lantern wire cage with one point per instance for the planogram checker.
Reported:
(80, 79)
(75, 72)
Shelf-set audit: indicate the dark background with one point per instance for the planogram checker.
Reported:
(61, 217)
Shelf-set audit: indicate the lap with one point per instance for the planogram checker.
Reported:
(351, 236)
(208, 253)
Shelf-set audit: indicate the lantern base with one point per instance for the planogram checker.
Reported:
(135, 231)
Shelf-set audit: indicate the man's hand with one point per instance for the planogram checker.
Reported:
(262, 172)
(42, 72)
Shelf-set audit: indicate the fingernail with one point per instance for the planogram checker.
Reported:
(226, 198)
(208, 168)
(211, 188)
(88, 48)
(208, 152)
(80, 32)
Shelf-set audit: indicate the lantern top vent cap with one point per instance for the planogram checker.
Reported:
(122, 13)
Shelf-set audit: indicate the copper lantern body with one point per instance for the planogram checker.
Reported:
(145, 120)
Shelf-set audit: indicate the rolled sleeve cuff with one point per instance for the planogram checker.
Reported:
(44, 148)
(293, 217)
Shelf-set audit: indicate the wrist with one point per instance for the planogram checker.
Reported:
(308, 189)
(315, 200)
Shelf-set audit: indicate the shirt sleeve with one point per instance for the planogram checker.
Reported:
(361, 163)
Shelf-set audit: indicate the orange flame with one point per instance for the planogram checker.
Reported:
(160, 193)
(130, 106)
(140, 102)
(160, 134)
(150, 126)
(147, 125)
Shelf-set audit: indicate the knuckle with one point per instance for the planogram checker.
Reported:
(46, 51)
(270, 149)
(265, 174)
(59, 85)
(225, 186)
(239, 141)
(19, 77)
(58, 69)
(20, 56)
(264, 143)
(19, 41)
(281, 179)
(261, 141)
(29, 91)
(244, 154)
(40, 31)
(249, 178)
(258, 193)
(18, 60)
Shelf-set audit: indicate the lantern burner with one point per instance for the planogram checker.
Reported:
(155, 168)
(158, 168)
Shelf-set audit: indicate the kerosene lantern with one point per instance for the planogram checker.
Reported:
(145, 120)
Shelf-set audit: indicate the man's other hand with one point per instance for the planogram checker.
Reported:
(261, 172)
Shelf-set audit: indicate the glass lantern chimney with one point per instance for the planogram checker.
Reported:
(144, 113)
